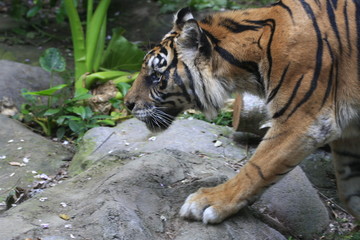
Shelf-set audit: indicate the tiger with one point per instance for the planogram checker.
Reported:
(301, 56)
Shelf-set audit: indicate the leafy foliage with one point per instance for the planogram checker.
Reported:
(174, 5)
(63, 116)
(70, 119)
(43, 10)
(224, 118)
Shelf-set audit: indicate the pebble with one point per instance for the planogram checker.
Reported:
(217, 143)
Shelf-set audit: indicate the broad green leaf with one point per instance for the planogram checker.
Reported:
(123, 87)
(102, 77)
(33, 11)
(76, 126)
(52, 60)
(63, 119)
(88, 112)
(79, 110)
(121, 54)
(80, 94)
(106, 122)
(52, 111)
(95, 38)
(47, 92)
(101, 117)
(77, 36)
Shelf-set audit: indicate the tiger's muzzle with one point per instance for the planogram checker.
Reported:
(156, 118)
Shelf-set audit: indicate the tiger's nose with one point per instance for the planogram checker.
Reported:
(130, 105)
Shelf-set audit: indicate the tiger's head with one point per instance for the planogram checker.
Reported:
(175, 76)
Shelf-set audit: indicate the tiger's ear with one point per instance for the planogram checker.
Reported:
(192, 39)
(182, 16)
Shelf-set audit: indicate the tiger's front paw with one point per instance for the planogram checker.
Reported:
(209, 206)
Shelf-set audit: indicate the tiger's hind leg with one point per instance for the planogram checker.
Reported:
(346, 152)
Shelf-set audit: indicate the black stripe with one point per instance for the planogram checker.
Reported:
(271, 23)
(347, 154)
(318, 3)
(319, 54)
(281, 4)
(211, 37)
(205, 46)
(347, 28)
(276, 89)
(236, 27)
(164, 50)
(249, 66)
(283, 109)
(174, 61)
(332, 19)
(331, 77)
(169, 103)
(180, 83)
(335, 2)
(357, 13)
(258, 170)
(207, 20)
(164, 96)
(192, 87)
(155, 95)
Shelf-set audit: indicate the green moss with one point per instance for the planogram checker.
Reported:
(81, 160)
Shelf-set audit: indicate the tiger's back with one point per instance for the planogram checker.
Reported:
(302, 57)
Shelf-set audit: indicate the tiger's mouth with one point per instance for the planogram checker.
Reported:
(157, 119)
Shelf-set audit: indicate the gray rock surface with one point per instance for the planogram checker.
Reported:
(139, 200)
(16, 76)
(20, 145)
(127, 184)
(191, 136)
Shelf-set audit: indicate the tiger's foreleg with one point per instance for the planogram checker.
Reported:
(346, 152)
(280, 151)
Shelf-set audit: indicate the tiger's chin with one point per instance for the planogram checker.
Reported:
(155, 127)
(156, 120)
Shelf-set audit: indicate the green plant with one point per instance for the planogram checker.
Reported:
(94, 65)
(58, 117)
(224, 118)
(70, 119)
(89, 52)
(174, 5)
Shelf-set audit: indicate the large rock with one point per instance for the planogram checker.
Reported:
(17, 76)
(139, 200)
(36, 154)
(129, 185)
